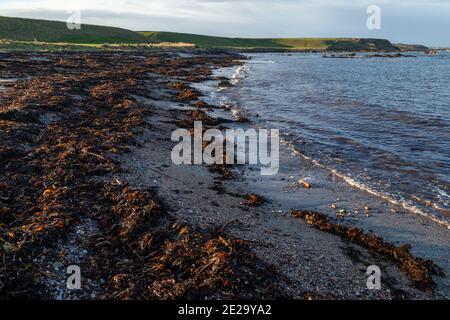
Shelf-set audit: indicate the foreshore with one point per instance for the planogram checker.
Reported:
(87, 180)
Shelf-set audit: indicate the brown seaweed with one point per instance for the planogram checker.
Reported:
(418, 270)
(62, 125)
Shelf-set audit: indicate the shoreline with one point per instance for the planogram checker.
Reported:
(343, 202)
(131, 173)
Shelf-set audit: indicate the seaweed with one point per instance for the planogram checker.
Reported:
(418, 270)
(176, 261)
(63, 123)
(254, 200)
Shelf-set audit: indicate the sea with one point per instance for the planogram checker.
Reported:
(380, 124)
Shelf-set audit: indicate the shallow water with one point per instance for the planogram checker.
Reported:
(382, 125)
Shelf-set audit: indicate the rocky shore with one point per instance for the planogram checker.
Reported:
(87, 179)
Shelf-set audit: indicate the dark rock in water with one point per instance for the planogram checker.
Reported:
(341, 56)
(397, 55)
(375, 55)
(219, 78)
(431, 52)
(225, 84)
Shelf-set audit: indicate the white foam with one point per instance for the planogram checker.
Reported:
(262, 62)
(407, 205)
(239, 74)
(442, 193)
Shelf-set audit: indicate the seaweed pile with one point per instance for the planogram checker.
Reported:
(62, 123)
(254, 200)
(418, 270)
(174, 260)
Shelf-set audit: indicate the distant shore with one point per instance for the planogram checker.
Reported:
(20, 45)
(35, 34)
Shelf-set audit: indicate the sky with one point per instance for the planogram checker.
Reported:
(407, 21)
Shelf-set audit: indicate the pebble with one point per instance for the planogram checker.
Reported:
(341, 213)
(305, 184)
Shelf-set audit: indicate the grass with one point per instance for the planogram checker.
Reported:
(338, 44)
(11, 45)
(54, 31)
(33, 34)
(411, 47)
(210, 41)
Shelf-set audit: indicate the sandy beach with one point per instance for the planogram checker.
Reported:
(87, 179)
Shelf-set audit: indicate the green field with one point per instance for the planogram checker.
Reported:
(334, 44)
(15, 45)
(55, 31)
(209, 41)
(411, 47)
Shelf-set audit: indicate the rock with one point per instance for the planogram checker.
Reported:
(341, 56)
(225, 84)
(341, 213)
(305, 184)
(431, 52)
(397, 55)
(8, 247)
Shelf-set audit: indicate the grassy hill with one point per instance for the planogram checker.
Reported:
(209, 41)
(33, 30)
(411, 47)
(55, 31)
(334, 44)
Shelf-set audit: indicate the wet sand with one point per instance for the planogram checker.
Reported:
(138, 223)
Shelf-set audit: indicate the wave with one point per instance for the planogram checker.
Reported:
(262, 61)
(239, 74)
(409, 205)
(405, 204)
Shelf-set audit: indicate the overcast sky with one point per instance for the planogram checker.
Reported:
(410, 21)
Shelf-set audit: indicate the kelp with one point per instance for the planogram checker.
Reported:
(418, 270)
(64, 118)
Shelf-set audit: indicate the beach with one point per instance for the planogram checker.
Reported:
(87, 179)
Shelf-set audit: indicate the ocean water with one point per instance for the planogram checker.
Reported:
(382, 125)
